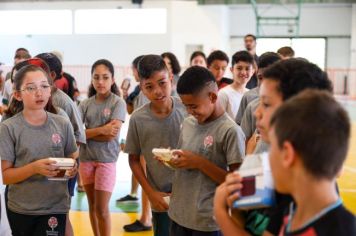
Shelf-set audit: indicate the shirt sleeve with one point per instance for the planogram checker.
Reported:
(132, 139)
(241, 110)
(246, 121)
(7, 144)
(119, 112)
(234, 145)
(70, 146)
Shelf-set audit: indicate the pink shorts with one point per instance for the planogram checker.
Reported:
(102, 175)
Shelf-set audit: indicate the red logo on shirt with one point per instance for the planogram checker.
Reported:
(208, 141)
(53, 222)
(56, 138)
(106, 112)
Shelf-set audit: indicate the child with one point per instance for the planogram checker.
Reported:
(266, 59)
(242, 70)
(309, 155)
(217, 63)
(102, 113)
(286, 52)
(198, 58)
(36, 205)
(211, 144)
(134, 101)
(281, 81)
(173, 66)
(155, 125)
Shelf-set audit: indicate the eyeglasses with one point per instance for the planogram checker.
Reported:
(34, 89)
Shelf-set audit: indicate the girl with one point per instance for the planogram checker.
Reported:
(198, 58)
(36, 205)
(102, 113)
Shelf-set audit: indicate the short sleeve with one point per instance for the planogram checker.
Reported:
(241, 110)
(71, 145)
(234, 145)
(132, 145)
(7, 144)
(247, 122)
(119, 112)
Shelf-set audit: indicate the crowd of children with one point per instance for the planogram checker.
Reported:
(209, 124)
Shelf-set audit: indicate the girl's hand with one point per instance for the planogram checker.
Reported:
(44, 167)
(185, 160)
(111, 129)
(72, 172)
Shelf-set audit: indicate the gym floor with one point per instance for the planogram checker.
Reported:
(125, 213)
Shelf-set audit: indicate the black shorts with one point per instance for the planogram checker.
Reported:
(178, 230)
(37, 225)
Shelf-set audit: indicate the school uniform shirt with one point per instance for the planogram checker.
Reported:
(63, 101)
(95, 114)
(221, 142)
(5, 229)
(22, 143)
(146, 132)
(338, 221)
(248, 122)
(261, 147)
(140, 100)
(248, 97)
(230, 99)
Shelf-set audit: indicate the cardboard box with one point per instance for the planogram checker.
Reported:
(63, 165)
(258, 188)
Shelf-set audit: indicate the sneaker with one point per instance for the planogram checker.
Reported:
(136, 226)
(127, 198)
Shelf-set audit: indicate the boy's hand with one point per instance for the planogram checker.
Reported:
(233, 186)
(252, 143)
(72, 172)
(185, 160)
(220, 198)
(157, 201)
(44, 167)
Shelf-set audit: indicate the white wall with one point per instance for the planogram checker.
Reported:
(195, 24)
(187, 23)
(85, 49)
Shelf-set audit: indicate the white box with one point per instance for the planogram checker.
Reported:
(63, 165)
(258, 191)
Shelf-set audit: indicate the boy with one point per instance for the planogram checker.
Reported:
(135, 100)
(286, 52)
(217, 64)
(210, 144)
(309, 155)
(265, 60)
(242, 70)
(281, 81)
(155, 125)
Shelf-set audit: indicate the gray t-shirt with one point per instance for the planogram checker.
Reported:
(140, 100)
(248, 97)
(21, 144)
(222, 142)
(248, 123)
(63, 101)
(146, 131)
(94, 115)
(261, 147)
